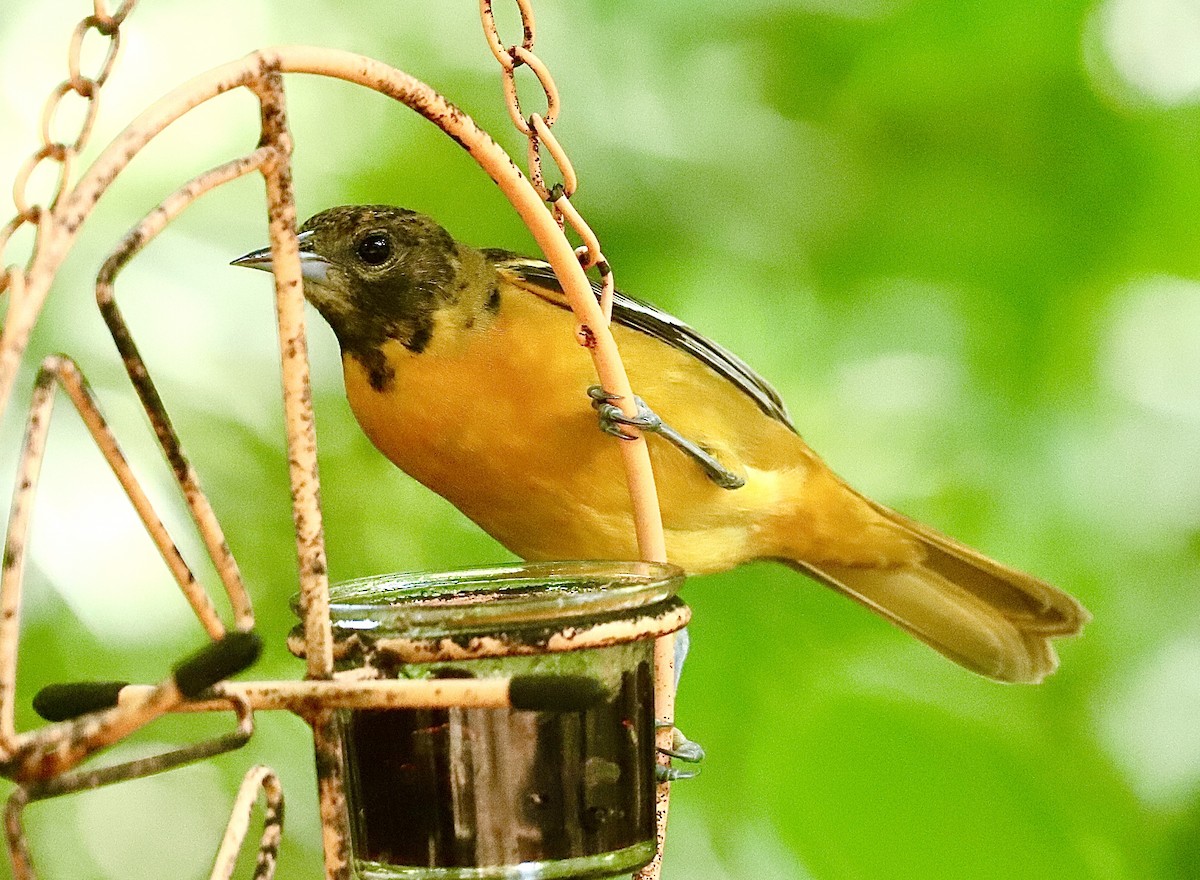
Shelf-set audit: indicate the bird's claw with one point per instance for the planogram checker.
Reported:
(612, 417)
(599, 395)
(682, 749)
(671, 774)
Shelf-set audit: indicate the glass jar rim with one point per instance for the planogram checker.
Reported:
(498, 596)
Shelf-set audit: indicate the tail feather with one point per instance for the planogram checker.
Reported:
(1035, 604)
(992, 619)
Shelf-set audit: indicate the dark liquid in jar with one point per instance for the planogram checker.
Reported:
(489, 787)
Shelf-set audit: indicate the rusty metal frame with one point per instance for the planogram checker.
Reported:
(42, 761)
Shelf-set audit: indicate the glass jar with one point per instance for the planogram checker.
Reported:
(476, 794)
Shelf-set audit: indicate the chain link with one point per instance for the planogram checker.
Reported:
(55, 101)
(492, 33)
(63, 150)
(536, 127)
(523, 56)
(543, 135)
(105, 29)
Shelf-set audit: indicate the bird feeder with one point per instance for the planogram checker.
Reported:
(449, 793)
(497, 723)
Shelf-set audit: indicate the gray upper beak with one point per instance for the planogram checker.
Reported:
(312, 266)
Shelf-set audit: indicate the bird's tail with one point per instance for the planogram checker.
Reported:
(992, 619)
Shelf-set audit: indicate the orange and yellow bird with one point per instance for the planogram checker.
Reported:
(443, 345)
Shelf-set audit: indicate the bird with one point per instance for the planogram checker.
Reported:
(460, 368)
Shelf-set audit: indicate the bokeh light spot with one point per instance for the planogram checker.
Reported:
(1152, 355)
(1153, 47)
(1150, 728)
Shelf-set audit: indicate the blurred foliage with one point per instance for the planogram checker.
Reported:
(960, 238)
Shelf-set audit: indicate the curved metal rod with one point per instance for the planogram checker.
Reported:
(256, 778)
(168, 440)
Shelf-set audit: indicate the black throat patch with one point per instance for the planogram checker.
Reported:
(399, 305)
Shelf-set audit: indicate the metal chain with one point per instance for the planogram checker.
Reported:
(57, 148)
(536, 127)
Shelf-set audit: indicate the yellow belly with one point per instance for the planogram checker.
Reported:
(497, 421)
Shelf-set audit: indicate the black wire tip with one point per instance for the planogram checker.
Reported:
(216, 662)
(62, 702)
(554, 693)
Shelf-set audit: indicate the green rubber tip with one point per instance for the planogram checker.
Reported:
(62, 702)
(555, 693)
(217, 661)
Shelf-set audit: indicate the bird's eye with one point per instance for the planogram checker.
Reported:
(374, 249)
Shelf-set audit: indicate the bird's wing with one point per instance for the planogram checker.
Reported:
(538, 278)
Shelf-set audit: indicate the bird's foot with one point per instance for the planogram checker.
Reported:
(612, 418)
(682, 749)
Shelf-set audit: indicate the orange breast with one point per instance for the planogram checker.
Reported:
(497, 421)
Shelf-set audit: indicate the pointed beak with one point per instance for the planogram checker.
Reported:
(312, 266)
(259, 259)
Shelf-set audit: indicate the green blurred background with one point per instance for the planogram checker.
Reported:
(960, 238)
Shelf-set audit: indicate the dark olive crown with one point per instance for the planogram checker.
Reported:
(390, 270)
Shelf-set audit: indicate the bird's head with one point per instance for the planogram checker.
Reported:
(374, 272)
